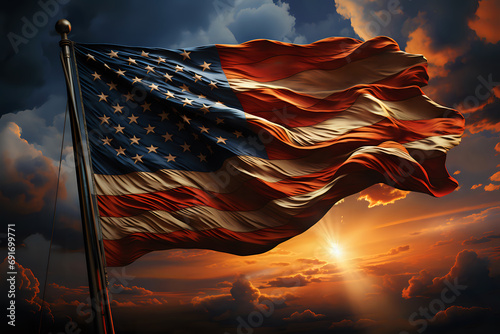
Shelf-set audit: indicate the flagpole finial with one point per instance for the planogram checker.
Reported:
(63, 27)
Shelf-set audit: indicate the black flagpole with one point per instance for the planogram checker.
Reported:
(101, 311)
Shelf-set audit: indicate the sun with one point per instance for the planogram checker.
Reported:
(336, 250)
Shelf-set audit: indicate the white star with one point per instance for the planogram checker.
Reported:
(136, 79)
(187, 101)
(113, 54)
(102, 97)
(213, 85)
(137, 158)
(197, 77)
(178, 68)
(145, 54)
(118, 108)
(119, 128)
(163, 115)
(107, 141)
(170, 157)
(160, 60)
(120, 151)
(203, 129)
(152, 149)
(149, 68)
(131, 61)
(238, 134)
(168, 77)
(180, 126)
(153, 86)
(96, 76)
(186, 119)
(133, 119)
(201, 96)
(186, 147)
(146, 106)
(120, 72)
(150, 129)
(89, 56)
(104, 119)
(221, 140)
(168, 94)
(167, 137)
(202, 157)
(134, 140)
(219, 120)
(205, 66)
(185, 55)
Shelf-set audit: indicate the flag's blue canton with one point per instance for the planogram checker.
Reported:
(149, 109)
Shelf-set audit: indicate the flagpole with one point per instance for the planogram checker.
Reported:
(101, 311)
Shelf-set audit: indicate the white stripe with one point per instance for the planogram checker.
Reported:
(437, 143)
(322, 83)
(365, 111)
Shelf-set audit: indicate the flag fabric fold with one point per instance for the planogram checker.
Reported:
(237, 148)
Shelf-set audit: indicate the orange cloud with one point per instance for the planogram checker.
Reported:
(420, 43)
(26, 168)
(492, 187)
(486, 23)
(495, 177)
(381, 194)
(456, 172)
(475, 186)
(497, 147)
(483, 125)
(307, 315)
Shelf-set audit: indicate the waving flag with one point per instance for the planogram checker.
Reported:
(237, 148)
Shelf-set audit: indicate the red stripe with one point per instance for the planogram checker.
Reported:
(291, 109)
(361, 172)
(264, 60)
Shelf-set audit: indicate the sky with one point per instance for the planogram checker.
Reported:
(380, 261)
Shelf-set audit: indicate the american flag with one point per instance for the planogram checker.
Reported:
(237, 148)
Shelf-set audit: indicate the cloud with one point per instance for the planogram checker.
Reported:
(495, 177)
(475, 186)
(456, 172)
(381, 194)
(481, 240)
(28, 178)
(497, 147)
(289, 281)
(349, 325)
(395, 251)
(469, 271)
(383, 269)
(244, 291)
(485, 23)
(492, 187)
(420, 42)
(305, 316)
(442, 243)
(311, 261)
(455, 318)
